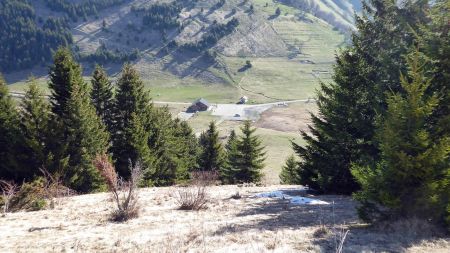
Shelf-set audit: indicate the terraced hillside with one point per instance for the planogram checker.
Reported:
(288, 45)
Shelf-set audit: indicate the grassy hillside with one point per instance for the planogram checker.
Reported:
(289, 52)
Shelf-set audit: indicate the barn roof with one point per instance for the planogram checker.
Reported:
(201, 101)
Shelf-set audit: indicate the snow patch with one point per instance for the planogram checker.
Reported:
(295, 200)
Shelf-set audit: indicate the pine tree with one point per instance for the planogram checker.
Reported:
(289, 172)
(343, 131)
(212, 154)
(188, 150)
(102, 96)
(79, 133)
(232, 153)
(131, 99)
(405, 182)
(166, 148)
(34, 126)
(9, 134)
(251, 156)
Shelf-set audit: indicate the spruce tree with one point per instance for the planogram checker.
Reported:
(251, 156)
(102, 96)
(212, 154)
(34, 125)
(289, 172)
(188, 150)
(343, 131)
(166, 147)
(232, 153)
(131, 101)
(405, 182)
(79, 134)
(9, 135)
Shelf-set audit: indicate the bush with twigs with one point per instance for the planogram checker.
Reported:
(33, 196)
(9, 190)
(195, 195)
(124, 193)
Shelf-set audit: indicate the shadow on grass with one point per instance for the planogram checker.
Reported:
(339, 216)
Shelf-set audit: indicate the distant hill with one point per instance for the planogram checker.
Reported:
(172, 42)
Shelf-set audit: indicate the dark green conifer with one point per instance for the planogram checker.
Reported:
(405, 182)
(212, 154)
(251, 156)
(342, 132)
(131, 100)
(79, 134)
(102, 96)
(289, 172)
(9, 134)
(34, 125)
(232, 153)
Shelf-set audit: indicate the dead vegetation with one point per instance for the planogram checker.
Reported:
(9, 190)
(123, 193)
(194, 196)
(247, 224)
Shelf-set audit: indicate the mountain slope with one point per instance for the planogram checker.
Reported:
(176, 49)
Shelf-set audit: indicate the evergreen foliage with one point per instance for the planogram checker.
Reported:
(343, 131)
(132, 112)
(251, 156)
(405, 182)
(9, 137)
(289, 173)
(34, 125)
(212, 154)
(79, 134)
(162, 16)
(22, 42)
(232, 153)
(212, 36)
(81, 9)
(102, 96)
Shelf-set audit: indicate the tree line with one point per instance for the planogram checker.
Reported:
(382, 131)
(162, 16)
(81, 121)
(24, 42)
(82, 9)
(215, 32)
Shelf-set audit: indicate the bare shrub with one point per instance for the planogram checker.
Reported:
(9, 190)
(124, 193)
(53, 187)
(195, 196)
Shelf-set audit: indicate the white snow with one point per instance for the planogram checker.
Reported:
(295, 200)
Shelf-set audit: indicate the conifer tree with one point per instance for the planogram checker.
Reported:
(342, 132)
(188, 150)
(166, 148)
(102, 96)
(232, 153)
(9, 133)
(34, 125)
(131, 101)
(79, 133)
(405, 182)
(289, 172)
(212, 154)
(251, 156)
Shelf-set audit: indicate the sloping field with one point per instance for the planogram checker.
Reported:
(248, 224)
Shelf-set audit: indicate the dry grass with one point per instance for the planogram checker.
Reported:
(195, 195)
(247, 224)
